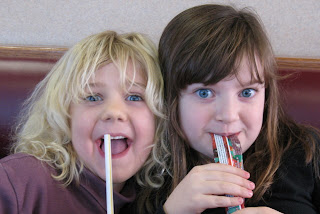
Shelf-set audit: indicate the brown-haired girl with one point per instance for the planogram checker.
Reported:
(220, 77)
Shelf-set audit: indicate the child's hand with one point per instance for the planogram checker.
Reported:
(257, 210)
(205, 187)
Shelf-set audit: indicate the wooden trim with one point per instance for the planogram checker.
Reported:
(32, 52)
(55, 53)
(298, 63)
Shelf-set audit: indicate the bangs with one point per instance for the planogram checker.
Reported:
(127, 82)
(210, 54)
(118, 54)
(120, 57)
(257, 71)
(82, 61)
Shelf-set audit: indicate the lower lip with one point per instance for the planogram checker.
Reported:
(235, 134)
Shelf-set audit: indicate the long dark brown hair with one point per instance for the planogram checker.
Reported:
(205, 44)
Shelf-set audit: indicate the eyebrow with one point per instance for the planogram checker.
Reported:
(96, 84)
(102, 84)
(139, 84)
(245, 84)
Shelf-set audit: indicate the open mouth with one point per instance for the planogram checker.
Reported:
(118, 144)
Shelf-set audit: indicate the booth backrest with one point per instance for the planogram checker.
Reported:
(21, 68)
(301, 93)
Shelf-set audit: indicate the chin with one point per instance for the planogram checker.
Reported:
(120, 179)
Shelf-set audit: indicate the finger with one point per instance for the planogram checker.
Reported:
(229, 178)
(214, 201)
(225, 188)
(224, 168)
(257, 210)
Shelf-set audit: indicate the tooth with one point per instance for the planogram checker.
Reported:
(117, 137)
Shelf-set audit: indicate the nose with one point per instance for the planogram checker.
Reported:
(114, 110)
(227, 110)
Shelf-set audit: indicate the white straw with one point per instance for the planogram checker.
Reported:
(108, 166)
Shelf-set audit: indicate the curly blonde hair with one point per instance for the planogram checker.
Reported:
(44, 129)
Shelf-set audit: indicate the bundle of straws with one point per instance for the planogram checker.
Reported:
(228, 151)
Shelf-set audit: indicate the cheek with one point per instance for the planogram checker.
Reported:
(144, 154)
(258, 125)
(144, 124)
(78, 128)
(254, 122)
(81, 132)
(82, 121)
(259, 115)
(193, 119)
(185, 116)
(77, 137)
(145, 133)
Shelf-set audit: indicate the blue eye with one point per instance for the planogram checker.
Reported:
(248, 92)
(134, 98)
(204, 93)
(93, 98)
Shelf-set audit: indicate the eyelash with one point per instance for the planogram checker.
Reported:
(88, 98)
(210, 93)
(135, 95)
(96, 97)
(252, 90)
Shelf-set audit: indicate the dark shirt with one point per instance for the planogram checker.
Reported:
(26, 186)
(295, 189)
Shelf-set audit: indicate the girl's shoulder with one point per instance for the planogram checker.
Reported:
(315, 133)
(20, 168)
(295, 136)
(10, 159)
(23, 181)
(20, 160)
(305, 144)
(295, 188)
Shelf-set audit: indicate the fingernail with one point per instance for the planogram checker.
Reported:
(241, 200)
(247, 175)
(252, 185)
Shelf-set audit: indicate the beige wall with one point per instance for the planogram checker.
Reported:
(293, 25)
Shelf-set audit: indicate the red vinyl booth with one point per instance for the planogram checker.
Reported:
(21, 68)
